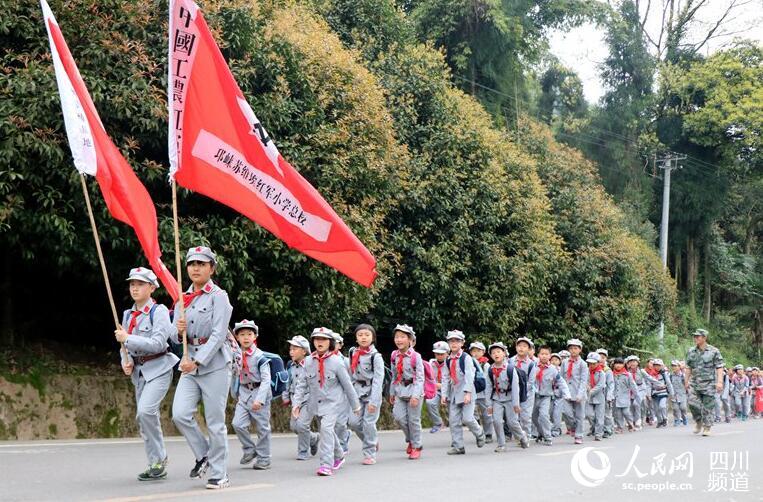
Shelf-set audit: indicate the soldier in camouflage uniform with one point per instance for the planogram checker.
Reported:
(704, 368)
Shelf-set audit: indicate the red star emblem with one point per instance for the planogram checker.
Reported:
(198, 249)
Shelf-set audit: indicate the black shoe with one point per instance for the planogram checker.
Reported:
(314, 447)
(247, 458)
(216, 484)
(153, 473)
(199, 469)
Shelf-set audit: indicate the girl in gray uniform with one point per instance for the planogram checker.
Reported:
(206, 373)
(328, 387)
(299, 348)
(459, 394)
(662, 390)
(477, 351)
(367, 372)
(740, 391)
(625, 389)
(523, 361)
(406, 393)
(597, 389)
(548, 382)
(637, 400)
(575, 373)
(440, 350)
(149, 363)
(254, 397)
(677, 380)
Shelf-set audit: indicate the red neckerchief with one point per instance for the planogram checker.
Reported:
(439, 370)
(496, 375)
(542, 367)
(653, 372)
(621, 371)
(452, 366)
(482, 360)
(520, 361)
(356, 357)
(593, 372)
(245, 362)
(321, 369)
(188, 298)
(399, 365)
(133, 320)
(570, 364)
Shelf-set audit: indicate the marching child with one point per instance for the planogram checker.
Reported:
(756, 392)
(343, 420)
(523, 361)
(328, 388)
(477, 351)
(597, 388)
(609, 418)
(458, 393)
(206, 372)
(575, 373)
(548, 380)
(722, 399)
(637, 400)
(440, 350)
(740, 391)
(625, 389)
(367, 372)
(299, 348)
(678, 380)
(144, 332)
(505, 399)
(406, 392)
(558, 398)
(254, 397)
(662, 389)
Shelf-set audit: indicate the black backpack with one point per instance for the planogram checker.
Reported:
(387, 371)
(522, 380)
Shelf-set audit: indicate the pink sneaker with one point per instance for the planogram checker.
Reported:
(325, 471)
(338, 463)
(369, 461)
(578, 440)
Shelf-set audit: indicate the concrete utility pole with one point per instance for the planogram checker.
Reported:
(669, 163)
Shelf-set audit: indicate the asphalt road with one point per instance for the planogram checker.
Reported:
(669, 462)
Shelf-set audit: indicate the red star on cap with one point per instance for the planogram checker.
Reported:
(137, 269)
(198, 249)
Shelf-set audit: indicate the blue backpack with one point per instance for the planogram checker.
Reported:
(479, 376)
(279, 375)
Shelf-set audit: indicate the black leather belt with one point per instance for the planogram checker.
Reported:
(197, 341)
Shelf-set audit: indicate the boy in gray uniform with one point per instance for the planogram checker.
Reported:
(558, 398)
(637, 400)
(299, 349)
(523, 361)
(662, 390)
(458, 393)
(367, 372)
(343, 421)
(503, 391)
(625, 389)
(575, 373)
(207, 370)
(678, 381)
(722, 400)
(406, 392)
(149, 363)
(548, 382)
(440, 350)
(477, 351)
(609, 419)
(597, 391)
(328, 387)
(254, 397)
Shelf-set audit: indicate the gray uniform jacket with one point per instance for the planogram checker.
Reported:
(740, 386)
(207, 319)
(296, 373)
(597, 392)
(454, 387)
(147, 339)
(411, 383)
(498, 390)
(625, 389)
(368, 377)
(527, 364)
(610, 393)
(678, 381)
(332, 396)
(660, 384)
(551, 383)
(578, 379)
(255, 381)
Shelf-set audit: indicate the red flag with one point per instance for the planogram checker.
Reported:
(219, 148)
(95, 154)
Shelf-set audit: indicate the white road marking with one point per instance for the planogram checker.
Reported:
(567, 452)
(728, 433)
(189, 493)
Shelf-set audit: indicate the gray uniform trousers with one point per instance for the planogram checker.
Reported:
(609, 417)
(503, 413)
(679, 408)
(460, 415)
(212, 389)
(660, 407)
(343, 428)
(408, 418)
(526, 413)
(542, 416)
(623, 416)
(486, 419)
(433, 408)
(574, 414)
(149, 397)
(301, 427)
(595, 414)
(365, 427)
(556, 416)
(242, 419)
(721, 404)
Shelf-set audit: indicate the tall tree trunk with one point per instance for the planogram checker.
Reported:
(677, 267)
(707, 304)
(6, 293)
(757, 330)
(691, 272)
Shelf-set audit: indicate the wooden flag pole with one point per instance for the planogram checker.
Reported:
(100, 258)
(178, 266)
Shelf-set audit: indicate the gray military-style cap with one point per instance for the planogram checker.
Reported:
(200, 253)
(564, 354)
(499, 345)
(338, 338)
(440, 348)
(477, 345)
(143, 274)
(246, 324)
(526, 340)
(455, 333)
(593, 357)
(603, 352)
(301, 342)
(322, 333)
(408, 330)
(574, 341)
